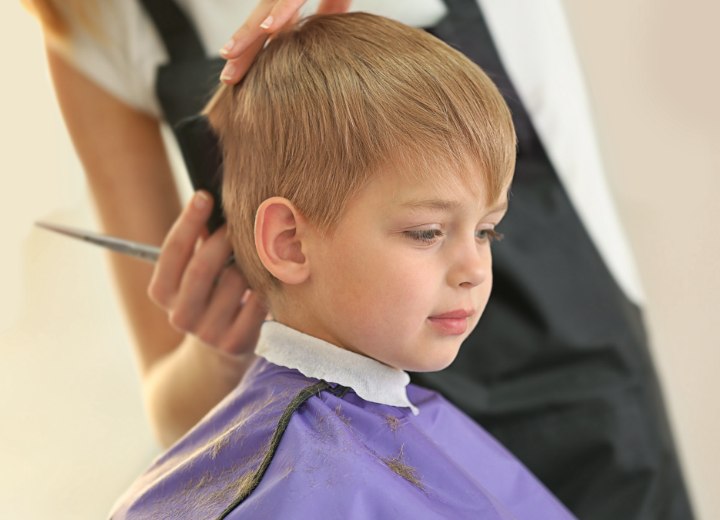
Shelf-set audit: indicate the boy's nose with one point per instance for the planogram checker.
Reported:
(471, 267)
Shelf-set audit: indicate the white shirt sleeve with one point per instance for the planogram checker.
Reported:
(120, 55)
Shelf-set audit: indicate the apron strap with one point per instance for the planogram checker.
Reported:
(176, 30)
(197, 74)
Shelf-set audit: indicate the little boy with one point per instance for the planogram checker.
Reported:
(366, 166)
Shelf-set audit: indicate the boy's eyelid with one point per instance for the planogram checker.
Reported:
(488, 226)
(424, 237)
(406, 226)
(491, 224)
(488, 222)
(420, 227)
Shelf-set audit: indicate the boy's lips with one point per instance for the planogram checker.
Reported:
(452, 322)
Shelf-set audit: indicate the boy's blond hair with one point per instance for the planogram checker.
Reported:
(336, 99)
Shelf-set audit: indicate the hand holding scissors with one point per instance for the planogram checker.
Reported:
(194, 280)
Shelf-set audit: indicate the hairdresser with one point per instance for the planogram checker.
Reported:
(558, 369)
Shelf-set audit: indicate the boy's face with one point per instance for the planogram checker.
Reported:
(405, 275)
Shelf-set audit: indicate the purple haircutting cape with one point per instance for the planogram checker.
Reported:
(283, 445)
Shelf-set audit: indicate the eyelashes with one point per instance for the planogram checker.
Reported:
(430, 236)
(426, 236)
(491, 235)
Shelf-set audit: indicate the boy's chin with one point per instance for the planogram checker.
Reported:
(434, 363)
(433, 368)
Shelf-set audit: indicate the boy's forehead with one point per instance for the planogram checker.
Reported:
(440, 187)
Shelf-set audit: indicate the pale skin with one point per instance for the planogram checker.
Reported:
(189, 302)
(402, 278)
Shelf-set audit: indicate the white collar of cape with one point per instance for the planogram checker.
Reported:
(316, 358)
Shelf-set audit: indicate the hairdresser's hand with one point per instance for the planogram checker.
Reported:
(269, 17)
(202, 295)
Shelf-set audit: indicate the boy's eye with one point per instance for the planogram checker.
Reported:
(489, 234)
(424, 235)
(429, 236)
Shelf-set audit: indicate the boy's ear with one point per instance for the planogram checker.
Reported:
(279, 230)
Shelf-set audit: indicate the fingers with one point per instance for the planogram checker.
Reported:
(245, 330)
(267, 18)
(177, 249)
(291, 22)
(200, 280)
(333, 6)
(202, 294)
(245, 43)
(282, 12)
(224, 305)
(248, 32)
(241, 50)
(236, 68)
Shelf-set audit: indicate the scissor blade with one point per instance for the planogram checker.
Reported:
(128, 247)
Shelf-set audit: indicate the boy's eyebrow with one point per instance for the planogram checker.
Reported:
(438, 204)
(447, 205)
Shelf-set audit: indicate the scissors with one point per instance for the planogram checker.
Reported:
(127, 247)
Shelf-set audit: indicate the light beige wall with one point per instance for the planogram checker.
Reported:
(652, 70)
(73, 434)
(72, 429)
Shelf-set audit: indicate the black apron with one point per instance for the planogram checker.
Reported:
(558, 369)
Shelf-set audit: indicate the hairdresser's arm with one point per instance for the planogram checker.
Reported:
(214, 304)
(135, 197)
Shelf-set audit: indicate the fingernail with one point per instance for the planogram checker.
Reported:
(227, 47)
(267, 23)
(201, 200)
(228, 71)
